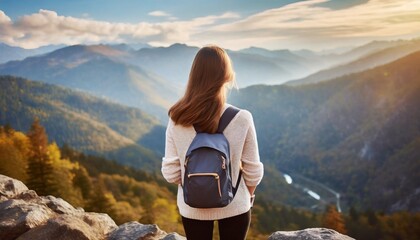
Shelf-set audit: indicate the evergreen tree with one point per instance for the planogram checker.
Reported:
(83, 182)
(101, 201)
(40, 167)
(333, 219)
(63, 176)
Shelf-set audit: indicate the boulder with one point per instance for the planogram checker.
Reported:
(309, 234)
(25, 215)
(28, 195)
(174, 236)
(58, 205)
(18, 216)
(10, 187)
(137, 231)
(83, 226)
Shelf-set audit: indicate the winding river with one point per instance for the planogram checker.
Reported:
(314, 189)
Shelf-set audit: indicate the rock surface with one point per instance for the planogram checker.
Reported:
(18, 216)
(135, 230)
(309, 234)
(24, 215)
(10, 187)
(83, 226)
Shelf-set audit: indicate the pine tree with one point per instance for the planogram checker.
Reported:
(83, 182)
(102, 201)
(40, 167)
(332, 219)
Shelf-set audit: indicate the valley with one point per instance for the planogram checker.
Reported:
(336, 132)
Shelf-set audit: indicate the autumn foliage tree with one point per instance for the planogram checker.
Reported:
(334, 220)
(14, 151)
(40, 167)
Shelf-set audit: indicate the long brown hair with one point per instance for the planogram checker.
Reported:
(205, 96)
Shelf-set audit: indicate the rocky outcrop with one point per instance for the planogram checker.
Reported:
(26, 216)
(135, 230)
(310, 233)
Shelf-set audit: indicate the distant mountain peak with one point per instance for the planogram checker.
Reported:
(100, 49)
(178, 45)
(253, 48)
(283, 54)
(106, 50)
(260, 49)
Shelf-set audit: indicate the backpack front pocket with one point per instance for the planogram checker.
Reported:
(203, 190)
(204, 182)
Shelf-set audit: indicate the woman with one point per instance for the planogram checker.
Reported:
(202, 105)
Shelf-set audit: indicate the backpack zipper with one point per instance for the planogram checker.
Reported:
(215, 175)
(223, 162)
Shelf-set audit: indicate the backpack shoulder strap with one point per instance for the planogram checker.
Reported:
(227, 117)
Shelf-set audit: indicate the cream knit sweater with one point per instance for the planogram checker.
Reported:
(242, 139)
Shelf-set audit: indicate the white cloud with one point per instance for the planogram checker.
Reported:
(47, 27)
(159, 14)
(162, 14)
(4, 19)
(297, 25)
(306, 23)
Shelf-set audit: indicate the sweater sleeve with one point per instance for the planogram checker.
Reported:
(171, 167)
(253, 169)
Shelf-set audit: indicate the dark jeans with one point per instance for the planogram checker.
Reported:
(233, 228)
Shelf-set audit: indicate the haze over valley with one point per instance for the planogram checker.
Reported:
(120, 97)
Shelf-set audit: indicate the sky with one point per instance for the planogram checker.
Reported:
(232, 24)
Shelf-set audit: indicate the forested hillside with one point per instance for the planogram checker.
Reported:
(359, 133)
(87, 123)
(100, 70)
(337, 132)
(127, 194)
(91, 182)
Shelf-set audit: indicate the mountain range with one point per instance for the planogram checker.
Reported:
(379, 56)
(358, 134)
(152, 79)
(10, 53)
(98, 70)
(353, 126)
(87, 123)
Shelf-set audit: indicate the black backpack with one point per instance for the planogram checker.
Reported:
(208, 174)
